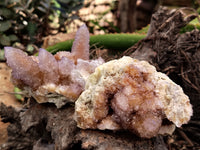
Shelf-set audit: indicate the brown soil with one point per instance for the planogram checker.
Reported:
(5, 97)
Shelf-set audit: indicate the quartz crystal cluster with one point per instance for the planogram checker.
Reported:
(55, 78)
(130, 94)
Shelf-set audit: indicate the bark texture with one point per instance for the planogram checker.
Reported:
(127, 15)
(133, 14)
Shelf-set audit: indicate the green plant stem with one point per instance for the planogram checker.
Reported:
(109, 41)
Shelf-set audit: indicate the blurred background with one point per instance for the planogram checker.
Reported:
(28, 24)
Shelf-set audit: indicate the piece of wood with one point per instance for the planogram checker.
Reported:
(45, 126)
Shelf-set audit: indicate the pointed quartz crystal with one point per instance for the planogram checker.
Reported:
(49, 66)
(24, 68)
(80, 47)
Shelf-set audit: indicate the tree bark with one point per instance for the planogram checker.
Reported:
(127, 15)
(135, 14)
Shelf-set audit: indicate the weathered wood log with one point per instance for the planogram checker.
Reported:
(45, 126)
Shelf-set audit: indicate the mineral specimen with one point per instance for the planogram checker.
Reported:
(130, 94)
(57, 79)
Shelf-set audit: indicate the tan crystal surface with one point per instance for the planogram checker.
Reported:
(131, 94)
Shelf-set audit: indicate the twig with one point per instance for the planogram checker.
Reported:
(185, 137)
(13, 93)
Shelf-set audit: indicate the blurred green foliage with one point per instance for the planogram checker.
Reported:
(194, 24)
(28, 21)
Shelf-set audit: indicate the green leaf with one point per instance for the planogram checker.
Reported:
(13, 37)
(32, 28)
(5, 25)
(18, 94)
(4, 40)
(15, 1)
(5, 12)
(30, 48)
(2, 56)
